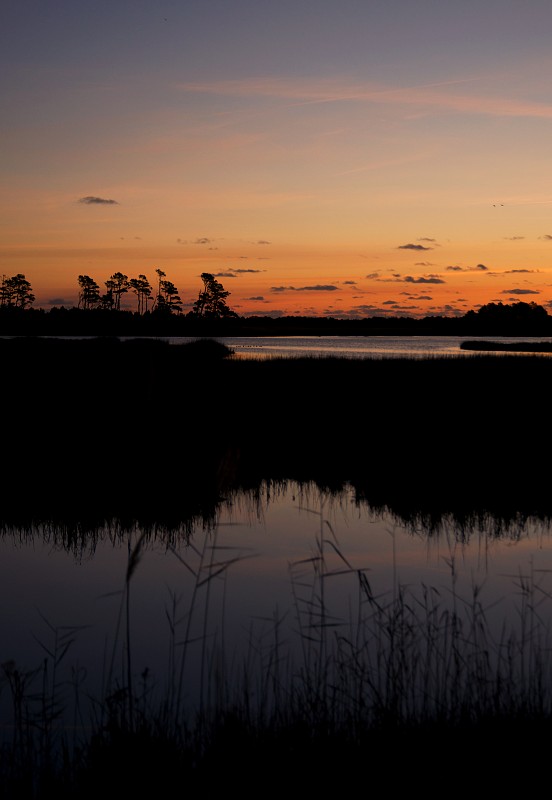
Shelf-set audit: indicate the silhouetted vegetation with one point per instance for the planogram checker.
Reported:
(211, 302)
(425, 437)
(99, 314)
(509, 347)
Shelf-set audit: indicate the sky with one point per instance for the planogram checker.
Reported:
(344, 158)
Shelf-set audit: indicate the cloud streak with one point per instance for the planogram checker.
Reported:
(439, 95)
(411, 246)
(91, 200)
(478, 268)
(520, 291)
(316, 288)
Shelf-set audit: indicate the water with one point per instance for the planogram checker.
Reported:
(263, 559)
(354, 346)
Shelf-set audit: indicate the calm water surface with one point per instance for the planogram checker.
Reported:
(265, 559)
(354, 346)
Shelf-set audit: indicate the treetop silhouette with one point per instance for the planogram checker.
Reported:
(211, 301)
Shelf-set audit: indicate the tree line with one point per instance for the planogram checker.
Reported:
(159, 306)
(16, 292)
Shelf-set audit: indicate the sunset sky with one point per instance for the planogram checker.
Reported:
(327, 157)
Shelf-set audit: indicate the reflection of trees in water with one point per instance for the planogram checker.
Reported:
(81, 536)
(107, 434)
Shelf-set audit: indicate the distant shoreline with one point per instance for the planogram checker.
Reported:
(510, 347)
(518, 320)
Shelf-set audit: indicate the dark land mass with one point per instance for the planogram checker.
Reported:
(493, 319)
(107, 431)
(508, 347)
(140, 430)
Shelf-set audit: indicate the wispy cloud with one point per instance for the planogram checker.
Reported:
(478, 268)
(233, 273)
(513, 272)
(240, 271)
(517, 271)
(520, 291)
(90, 200)
(316, 288)
(439, 95)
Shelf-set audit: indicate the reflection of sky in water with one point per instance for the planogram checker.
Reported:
(354, 346)
(40, 582)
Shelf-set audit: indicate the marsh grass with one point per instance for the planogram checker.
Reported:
(411, 665)
(423, 436)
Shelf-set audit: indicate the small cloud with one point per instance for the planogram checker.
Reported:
(261, 241)
(59, 301)
(452, 311)
(373, 276)
(513, 238)
(423, 264)
(182, 241)
(411, 246)
(429, 279)
(202, 240)
(316, 288)
(426, 239)
(517, 271)
(224, 275)
(90, 200)
(478, 268)
(546, 236)
(319, 287)
(349, 283)
(520, 291)
(259, 299)
(241, 271)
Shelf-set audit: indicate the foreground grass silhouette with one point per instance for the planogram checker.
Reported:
(410, 678)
